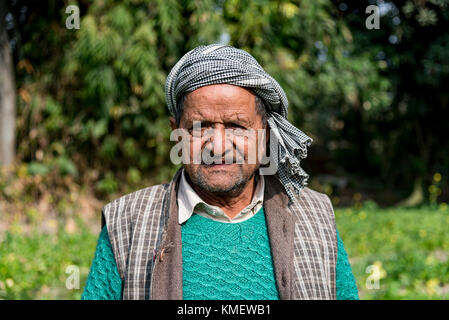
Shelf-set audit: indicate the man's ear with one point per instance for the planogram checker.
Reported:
(173, 123)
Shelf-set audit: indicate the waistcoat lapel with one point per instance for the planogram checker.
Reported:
(167, 272)
(303, 242)
(280, 225)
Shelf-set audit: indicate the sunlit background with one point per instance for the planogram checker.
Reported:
(83, 121)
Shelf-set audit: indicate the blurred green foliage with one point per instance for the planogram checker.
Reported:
(369, 98)
(410, 248)
(94, 97)
(35, 265)
(405, 143)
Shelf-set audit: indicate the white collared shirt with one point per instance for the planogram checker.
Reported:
(189, 202)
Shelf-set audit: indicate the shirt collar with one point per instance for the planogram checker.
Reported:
(189, 201)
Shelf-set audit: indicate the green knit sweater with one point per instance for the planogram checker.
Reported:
(227, 261)
(104, 282)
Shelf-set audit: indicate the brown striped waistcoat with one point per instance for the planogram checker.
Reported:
(146, 240)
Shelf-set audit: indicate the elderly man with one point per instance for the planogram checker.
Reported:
(224, 229)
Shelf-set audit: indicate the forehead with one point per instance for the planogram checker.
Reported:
(220, 102)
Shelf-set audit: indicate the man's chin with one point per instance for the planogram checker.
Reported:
(220, 179)
(218, 184)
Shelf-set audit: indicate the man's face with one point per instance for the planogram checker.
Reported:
(218, 108)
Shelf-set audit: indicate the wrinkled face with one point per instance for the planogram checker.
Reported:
(229, 123)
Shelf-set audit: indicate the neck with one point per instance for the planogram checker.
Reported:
(231, 205)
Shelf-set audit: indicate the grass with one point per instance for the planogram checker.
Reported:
(408, 247)
(34, 266)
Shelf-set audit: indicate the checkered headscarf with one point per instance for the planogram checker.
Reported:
(215, 64)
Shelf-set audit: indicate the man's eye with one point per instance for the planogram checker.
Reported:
(237, 126)
(237, 130)
(196, 131)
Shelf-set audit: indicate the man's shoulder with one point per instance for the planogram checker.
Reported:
(316, 196)
(313, 193)
(140, 196)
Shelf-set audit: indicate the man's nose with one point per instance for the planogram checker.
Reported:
(217, 140)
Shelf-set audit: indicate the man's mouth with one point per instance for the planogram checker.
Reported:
(218, 165)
